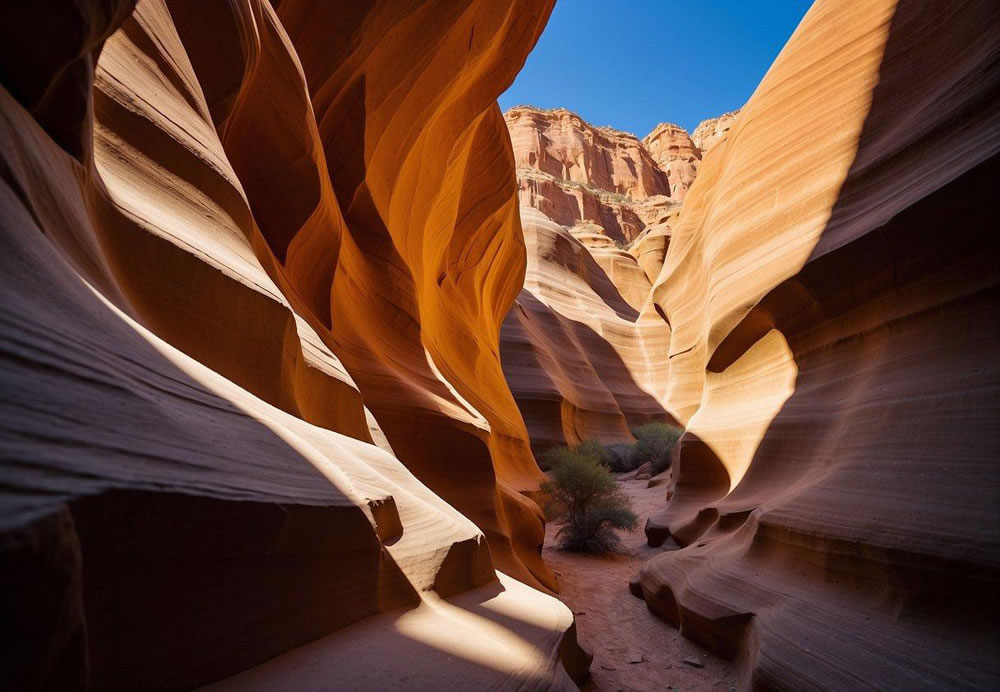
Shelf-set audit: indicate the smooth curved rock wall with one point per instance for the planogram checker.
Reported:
(190, 482)
(834, 300)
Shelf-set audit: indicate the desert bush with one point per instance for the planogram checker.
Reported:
(654, 443)
(586, 494)
(618, 458)
(592, 448)
(550, 458)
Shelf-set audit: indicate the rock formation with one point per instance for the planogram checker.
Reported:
(676, 155)
(833, 296)
(712, 131)
(579, 361)
(559, 143)
(260, 262)
(241, 245)
(574, 172)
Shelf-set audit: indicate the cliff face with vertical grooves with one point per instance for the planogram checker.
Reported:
(833, 296)
(579, 361)
(252, 297)
(576, 173)
(675, 154)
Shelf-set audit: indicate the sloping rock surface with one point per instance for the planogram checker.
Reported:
(252, 293)
(833, 294)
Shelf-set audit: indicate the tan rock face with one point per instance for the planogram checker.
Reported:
(235, 253)
(574, 172)
(834, 300)
(713, 131)
(676, 155)
(650, 248)
(579, 362)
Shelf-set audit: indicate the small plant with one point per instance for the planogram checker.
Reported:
(587, 495)
(655, 444)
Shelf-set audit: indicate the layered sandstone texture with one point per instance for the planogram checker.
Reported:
(254, 267)
(573, 172)
(578, 359)
(833, 294)
(581, 361)
(576, 173)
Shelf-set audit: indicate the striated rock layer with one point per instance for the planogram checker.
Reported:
(574, 172)
(252, 293)
(560, 143)
(676, 154)
(580, 363)
(833, 294)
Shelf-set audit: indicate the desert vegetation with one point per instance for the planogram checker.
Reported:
(654, 443)
(583, 490)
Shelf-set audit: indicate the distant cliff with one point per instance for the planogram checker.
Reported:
(574, 172)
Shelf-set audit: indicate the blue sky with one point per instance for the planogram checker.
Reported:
(632, 64)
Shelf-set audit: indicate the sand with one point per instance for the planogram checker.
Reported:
(615, 625)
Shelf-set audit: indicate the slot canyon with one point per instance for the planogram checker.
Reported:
(293, 313)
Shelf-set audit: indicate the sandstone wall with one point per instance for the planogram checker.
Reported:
(578, 360)
(833, 296)
(231, 242)
(676, 154)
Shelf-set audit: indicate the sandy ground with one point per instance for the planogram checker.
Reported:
(617, 627)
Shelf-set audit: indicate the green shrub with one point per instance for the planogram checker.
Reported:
(655, 444)
(593, 449)
(587, 495)
(552, 457)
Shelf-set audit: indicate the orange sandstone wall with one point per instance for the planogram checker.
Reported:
(431, 254)
(208, 301)
(833, 294)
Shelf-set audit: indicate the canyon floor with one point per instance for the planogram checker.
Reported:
(617, 627)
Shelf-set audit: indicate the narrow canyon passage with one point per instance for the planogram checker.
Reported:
(633, 649)
(300, 301)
